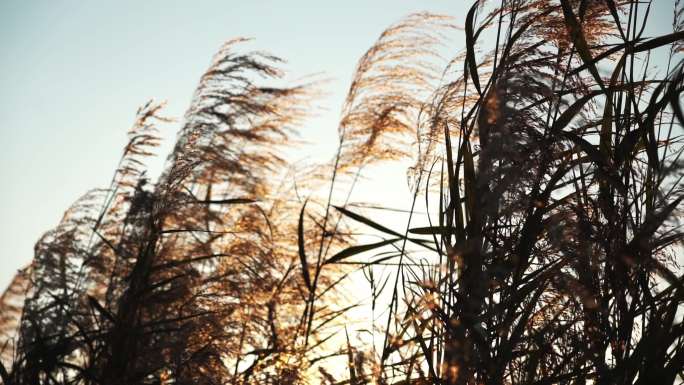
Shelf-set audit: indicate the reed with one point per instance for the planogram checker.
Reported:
(546, 157)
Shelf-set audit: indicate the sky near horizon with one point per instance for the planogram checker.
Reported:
(74, 72)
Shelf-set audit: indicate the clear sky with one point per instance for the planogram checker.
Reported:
(74, 72)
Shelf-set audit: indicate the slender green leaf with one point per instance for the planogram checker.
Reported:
(302, 251)
(470, 46)
(353, 250)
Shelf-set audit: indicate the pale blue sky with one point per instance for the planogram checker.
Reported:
(74, 72)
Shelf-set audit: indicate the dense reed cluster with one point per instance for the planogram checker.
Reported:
(542, 244)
